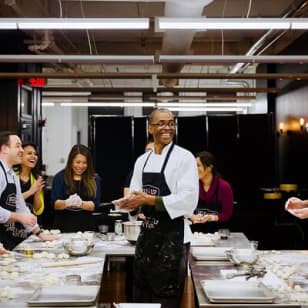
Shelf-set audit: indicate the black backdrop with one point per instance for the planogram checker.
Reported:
(243, 144)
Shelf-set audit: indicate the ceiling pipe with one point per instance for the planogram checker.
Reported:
(269, 36)
(172, 43)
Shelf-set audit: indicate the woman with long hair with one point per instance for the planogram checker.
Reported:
(31, 182)
(215, 205)
(76, 192)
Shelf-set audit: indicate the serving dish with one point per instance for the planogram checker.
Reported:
(226, 291)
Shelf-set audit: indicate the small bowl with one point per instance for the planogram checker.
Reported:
(242, 257)
(78, 247)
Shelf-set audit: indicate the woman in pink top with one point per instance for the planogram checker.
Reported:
(215, 205)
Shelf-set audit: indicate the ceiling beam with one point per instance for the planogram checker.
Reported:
(77, 75)
(165, 98)
(157, 90)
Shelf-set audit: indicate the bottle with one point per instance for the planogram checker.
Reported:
(118, 227)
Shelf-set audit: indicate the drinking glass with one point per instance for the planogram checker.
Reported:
(224, 234)
(103, 229)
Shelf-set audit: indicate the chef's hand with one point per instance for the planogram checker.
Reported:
(44, 237)
(299, 213)
(25, 219)
(48, 237)
(134, 200)
(294, 203)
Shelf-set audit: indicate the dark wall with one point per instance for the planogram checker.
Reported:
(12, 116)
(112, 149)
(244, 146)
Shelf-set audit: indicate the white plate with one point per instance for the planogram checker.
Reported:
(209, 253)
(226, 291)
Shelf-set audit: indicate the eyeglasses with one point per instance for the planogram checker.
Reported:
(162, 124)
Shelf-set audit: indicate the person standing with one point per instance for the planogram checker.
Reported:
(31, 182)
(16, 220)
(165, 185)
(76, 192)
(215, 205)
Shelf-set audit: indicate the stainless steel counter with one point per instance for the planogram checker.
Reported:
(282, 261)
(34, 274)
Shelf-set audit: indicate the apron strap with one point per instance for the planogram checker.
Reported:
(4, 172)
(167, 158)
(147, 160)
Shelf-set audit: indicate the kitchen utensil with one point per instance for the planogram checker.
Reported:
(78, 247)
(132, 230)
(69, 263)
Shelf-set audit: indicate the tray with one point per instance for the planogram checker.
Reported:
(70, 296)
(226, 291)
(202, 242)
(209, 253)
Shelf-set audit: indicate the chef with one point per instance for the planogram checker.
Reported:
(165, 186)
(16, 220)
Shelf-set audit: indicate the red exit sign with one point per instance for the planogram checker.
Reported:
(34, 82)
(37, 82)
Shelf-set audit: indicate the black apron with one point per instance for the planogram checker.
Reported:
(75, 219)
(11, 233)
(211, 207)
(159, 248)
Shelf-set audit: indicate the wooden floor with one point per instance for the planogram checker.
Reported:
(113, 288)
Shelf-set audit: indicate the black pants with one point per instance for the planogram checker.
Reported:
(144, 294)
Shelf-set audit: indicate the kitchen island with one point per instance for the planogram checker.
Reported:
(82, 275)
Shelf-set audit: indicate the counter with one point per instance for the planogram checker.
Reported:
(283, 271)
(32, 273)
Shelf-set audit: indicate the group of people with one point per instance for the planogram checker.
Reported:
(176, 193)
(76, 192)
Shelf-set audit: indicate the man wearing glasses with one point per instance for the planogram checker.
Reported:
(165, 186)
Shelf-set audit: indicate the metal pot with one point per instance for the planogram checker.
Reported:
(132, 230)
(78, 247)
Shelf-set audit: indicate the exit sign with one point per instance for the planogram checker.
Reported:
(37, 82)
